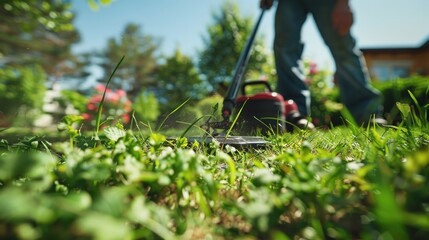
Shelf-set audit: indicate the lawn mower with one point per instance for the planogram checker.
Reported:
(262, 113)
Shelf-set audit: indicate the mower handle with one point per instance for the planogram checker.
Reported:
(231, 95)
(255, 82)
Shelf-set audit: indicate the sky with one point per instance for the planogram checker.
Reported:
(183, 23)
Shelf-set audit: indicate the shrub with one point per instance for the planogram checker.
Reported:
(146, 107)
(325, 104)
(398, 90)
(76, 99)
(116, 106)
(22, 90)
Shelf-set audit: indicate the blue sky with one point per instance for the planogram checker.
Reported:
(182, 23)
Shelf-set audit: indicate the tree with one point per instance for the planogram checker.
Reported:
(38, 32)
(178, 80)
(95, 4)
(35, 44)
(137, 69)
(224, 43)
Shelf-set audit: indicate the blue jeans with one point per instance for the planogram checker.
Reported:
(356, 93)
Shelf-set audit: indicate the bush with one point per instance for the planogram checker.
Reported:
(325, 104)
(146, 107)
(116, 106)
(398, 90)
(22, 90)
(76, 99)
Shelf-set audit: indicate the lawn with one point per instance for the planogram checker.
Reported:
(344, 183)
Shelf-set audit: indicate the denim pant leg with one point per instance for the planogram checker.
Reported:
(361, 99)
(288, 48)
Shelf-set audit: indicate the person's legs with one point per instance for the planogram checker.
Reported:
(361, 99)
(288, 48)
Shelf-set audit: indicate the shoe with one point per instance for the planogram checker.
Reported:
(376, 121)
(295, 120)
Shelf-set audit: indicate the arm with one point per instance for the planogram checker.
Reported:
(342, 17)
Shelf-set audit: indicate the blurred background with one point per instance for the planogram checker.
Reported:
(56, 56)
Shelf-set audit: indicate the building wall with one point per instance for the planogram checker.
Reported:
(388, 63)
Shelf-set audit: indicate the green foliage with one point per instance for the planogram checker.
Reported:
(399, 90)
(325, 104)
(138, 67)
(194, 115)
(69, 124)
(225, 40)
(76, 99)
(21, 89)
(53, 15)
(146, 107)
(94, 4)
(38, 32)
(106, 105)
(408, 94)
(338, 184)
(206, 105)
(178, 80)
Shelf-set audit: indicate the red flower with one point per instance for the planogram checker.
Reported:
(126, 118)
(86, 116)
(121, 93)
(313, 69)
(116, 104)
(100, 88)
(91, 106)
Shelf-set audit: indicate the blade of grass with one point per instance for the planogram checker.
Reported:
(171, 113)
(235, 120)
(266, 125)
(100, 106)
(422, 113)
(191, 125)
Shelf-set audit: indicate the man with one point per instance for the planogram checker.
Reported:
(334, 19)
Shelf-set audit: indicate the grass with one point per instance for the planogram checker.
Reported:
(343, 183)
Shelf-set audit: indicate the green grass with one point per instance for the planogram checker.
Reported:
(348, 182)
(343, 183)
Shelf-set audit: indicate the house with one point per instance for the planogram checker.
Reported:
(396, 62)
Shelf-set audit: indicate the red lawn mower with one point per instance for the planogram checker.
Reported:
(262, 113)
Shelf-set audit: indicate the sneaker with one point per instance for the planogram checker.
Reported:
(377, 121)
(295, 120)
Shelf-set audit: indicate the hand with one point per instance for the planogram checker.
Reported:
(342, 17)
(266, 4)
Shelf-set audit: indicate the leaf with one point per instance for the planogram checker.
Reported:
(93, 5)
(74, 203)
(405, 109)
(114, 133)
(202, 201)
(32, 165)
(257, 209)
(157, 139)
(264, 177)
(100, 106)
(18, 205)
(103, 227)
